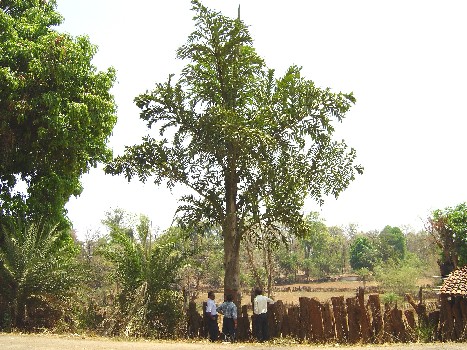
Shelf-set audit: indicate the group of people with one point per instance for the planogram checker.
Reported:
(229, 310)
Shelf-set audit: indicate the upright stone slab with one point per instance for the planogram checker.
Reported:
(317, 327)
(305, 318)
(398, 326)
(387, 327)
(446, 319)
(411, 325)
(277, 312)
(243, 324)
(377, 318)
(328, 323)
(433, 321)
(195, 321)
(204, 330)
(291, 325)
(365, 325)
(353, 320)
(340, 319)
(457, 317)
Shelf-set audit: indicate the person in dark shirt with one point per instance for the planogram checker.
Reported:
(229, 324)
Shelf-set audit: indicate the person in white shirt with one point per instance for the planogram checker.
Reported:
(260, 309)
(211, 315)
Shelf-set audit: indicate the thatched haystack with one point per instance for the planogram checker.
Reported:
(456, 283)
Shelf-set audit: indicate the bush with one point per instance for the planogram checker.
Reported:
(398, 278)
(145, 269)
(38, 270)
(391, 298)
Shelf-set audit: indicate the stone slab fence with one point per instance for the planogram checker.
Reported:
(352, 320)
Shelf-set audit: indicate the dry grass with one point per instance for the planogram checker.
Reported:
(323, 291)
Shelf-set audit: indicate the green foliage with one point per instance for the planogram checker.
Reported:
(426, 332)
(364, 273)
(145, 269)
(203, 264)
(38, 270)
(423, 246)
(56, 112)
(391, 298)
(399, 277)
(449, 228)
(321, 257)
(288, 260)
(392, 244)
(249, 145)
(363, 253)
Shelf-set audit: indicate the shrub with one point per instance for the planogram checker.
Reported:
(398, 278)
(38, 270)
(145, 269)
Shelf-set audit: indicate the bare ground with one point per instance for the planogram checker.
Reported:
(62, 342)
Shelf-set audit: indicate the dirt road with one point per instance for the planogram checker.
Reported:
(55, 342)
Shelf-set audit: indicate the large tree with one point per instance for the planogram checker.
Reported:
(56, 112)
(322, 250)
(392, 244)
(250, 146)
(363, 253)
(448, 226)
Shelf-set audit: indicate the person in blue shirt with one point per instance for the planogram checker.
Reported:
(229, 324)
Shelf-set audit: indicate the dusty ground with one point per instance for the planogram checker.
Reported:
(55, 342)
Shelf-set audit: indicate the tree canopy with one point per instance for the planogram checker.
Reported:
(392, 244)
(56, 111)
(251, 146)
(449, 228)
(363, 253)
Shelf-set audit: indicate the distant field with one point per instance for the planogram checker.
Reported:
(323, 291)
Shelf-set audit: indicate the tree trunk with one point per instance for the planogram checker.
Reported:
(269, 268)
(232, 262)
(231, 239)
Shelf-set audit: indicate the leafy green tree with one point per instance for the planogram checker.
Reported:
(423, 246)
(392, 244)
(448, 226)
(341, 248)
(259, 256)
(289, 261)
(146, 271)
(204, 257)
(321, 257)
(118, 220)
(56, 112)
(38, 270)
(363, 253)
(250, 147)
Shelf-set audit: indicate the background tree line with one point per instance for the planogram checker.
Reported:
(134, 281)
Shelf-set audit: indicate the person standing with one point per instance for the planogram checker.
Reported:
(211, 315)
(229, 324)
(260, 309)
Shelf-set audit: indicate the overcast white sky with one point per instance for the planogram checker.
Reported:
(404, 60)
